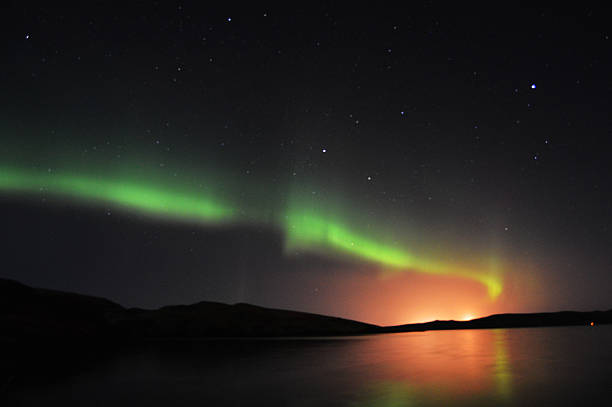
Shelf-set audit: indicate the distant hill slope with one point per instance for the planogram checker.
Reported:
(562, 318)
(33, 313)
(208, 319)
(27, 312)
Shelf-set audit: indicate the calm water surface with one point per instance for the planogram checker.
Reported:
(535, 366)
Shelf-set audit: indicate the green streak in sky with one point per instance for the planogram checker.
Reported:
(153, 200)
(307, 230)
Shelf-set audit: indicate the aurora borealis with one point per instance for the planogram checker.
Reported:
(384, 166)
(307, 231)
(144, 198)
(303, 229)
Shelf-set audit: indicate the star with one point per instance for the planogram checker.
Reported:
(533, 86)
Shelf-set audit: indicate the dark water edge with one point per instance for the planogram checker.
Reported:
(527, 366)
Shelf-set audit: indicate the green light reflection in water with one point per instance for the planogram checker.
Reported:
(502, 373)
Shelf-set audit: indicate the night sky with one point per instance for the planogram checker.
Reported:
(386, 165)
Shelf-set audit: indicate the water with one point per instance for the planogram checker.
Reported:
(522, 367)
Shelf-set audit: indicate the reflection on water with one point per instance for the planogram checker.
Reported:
(541, 366)
(503, 374)
(441, 367)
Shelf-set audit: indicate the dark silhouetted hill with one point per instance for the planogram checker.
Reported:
(562, 318)
(33, 313)
(27, 312)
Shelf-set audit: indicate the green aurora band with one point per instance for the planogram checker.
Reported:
(304, 228)
(152, 200)
(307, 230)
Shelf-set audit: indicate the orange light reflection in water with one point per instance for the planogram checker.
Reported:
(440, 366)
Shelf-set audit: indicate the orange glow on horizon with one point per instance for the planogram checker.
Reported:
(409, 299)
(359, 294)
(422, 320)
